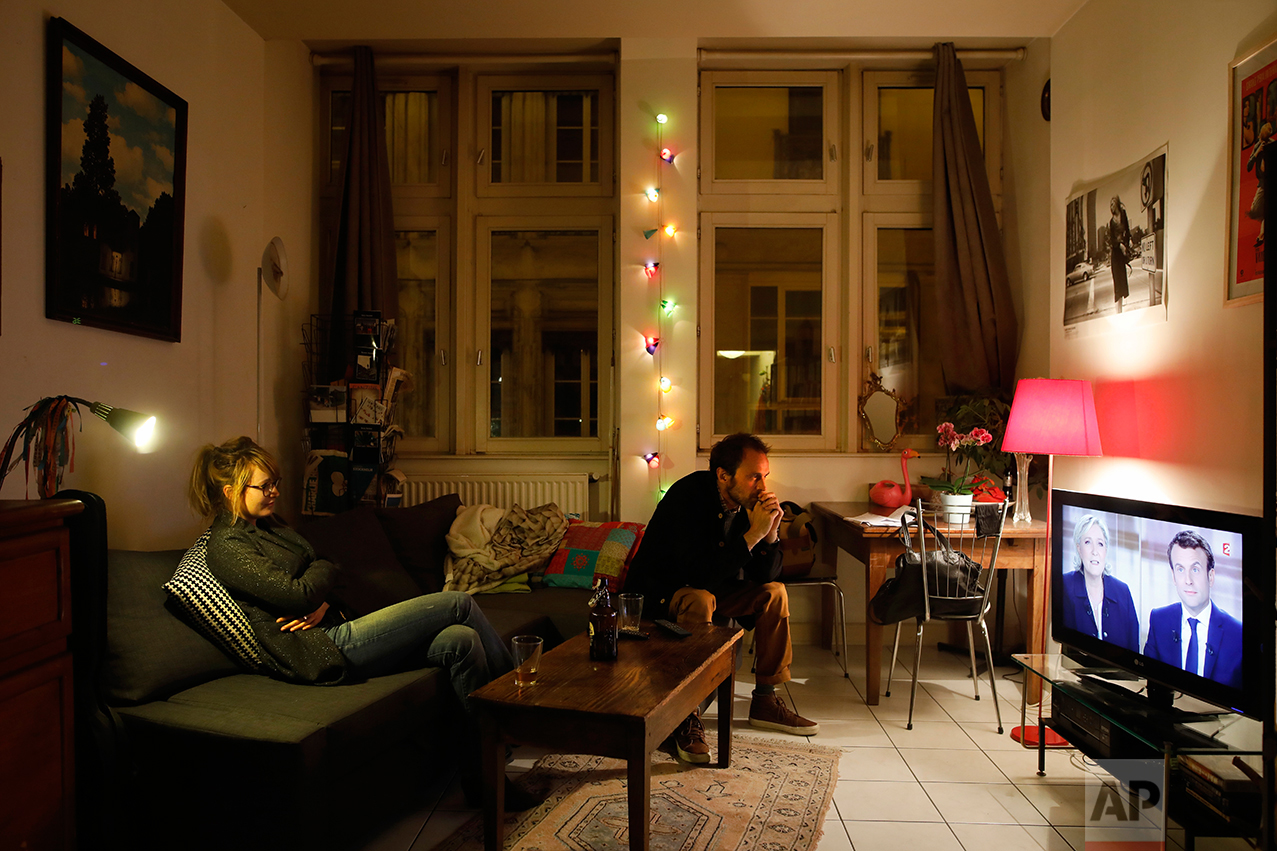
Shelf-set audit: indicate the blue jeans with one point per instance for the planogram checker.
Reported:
(444, 630)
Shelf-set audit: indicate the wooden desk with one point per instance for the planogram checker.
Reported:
(1024, 547)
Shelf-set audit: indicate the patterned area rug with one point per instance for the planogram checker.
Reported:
(773, 798)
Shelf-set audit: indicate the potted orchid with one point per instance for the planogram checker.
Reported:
(956, 491)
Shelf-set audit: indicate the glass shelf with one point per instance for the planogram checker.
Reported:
(1189, 726)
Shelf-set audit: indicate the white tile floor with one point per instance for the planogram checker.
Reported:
(949, 784)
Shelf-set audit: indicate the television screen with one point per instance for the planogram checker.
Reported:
(1158, 590)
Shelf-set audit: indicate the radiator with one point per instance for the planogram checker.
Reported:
(570, 493)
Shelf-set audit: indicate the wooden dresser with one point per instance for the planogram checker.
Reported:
(37, 757)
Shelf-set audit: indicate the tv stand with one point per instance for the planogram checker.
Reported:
(1115, 725)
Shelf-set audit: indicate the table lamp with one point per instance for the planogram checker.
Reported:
(48, 443)
(1049, 416)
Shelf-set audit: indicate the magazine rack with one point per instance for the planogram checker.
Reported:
(350, 437)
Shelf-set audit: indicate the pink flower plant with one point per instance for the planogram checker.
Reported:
(952, 440)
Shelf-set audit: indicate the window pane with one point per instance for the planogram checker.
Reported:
(545, 326)
(545, 137)
(412, 135)
(767, 330)
(904, 130)
(417, 258)
(768, 132)
(338, 118)
(906, 268)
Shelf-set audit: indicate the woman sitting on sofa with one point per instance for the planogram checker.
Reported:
(275, 576)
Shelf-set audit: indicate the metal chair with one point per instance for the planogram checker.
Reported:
(951, 601)
(829, 580)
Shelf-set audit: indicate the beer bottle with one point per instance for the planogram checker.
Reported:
(603, 625)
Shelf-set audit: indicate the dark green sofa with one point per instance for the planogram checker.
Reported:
(178, 747)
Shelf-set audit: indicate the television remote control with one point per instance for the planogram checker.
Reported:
(632, 633)
(672, 628)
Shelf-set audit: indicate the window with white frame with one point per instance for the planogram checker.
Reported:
(896, 241)
(770, 257)
(504, 255)
(778, 220)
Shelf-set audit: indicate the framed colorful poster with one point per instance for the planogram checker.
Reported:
(116, 169)
(1252, 83)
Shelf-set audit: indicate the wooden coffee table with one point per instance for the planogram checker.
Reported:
(622, 709)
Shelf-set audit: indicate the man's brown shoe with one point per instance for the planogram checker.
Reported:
(770, 712)
(689, 740)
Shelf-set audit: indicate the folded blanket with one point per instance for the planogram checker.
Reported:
(485, 553)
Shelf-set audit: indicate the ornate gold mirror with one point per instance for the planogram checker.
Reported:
(880, 413)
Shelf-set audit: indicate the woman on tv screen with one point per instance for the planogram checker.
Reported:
(1096, 602)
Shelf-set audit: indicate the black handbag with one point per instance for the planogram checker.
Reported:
(950, 572)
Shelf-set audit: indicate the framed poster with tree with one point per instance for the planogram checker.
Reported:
(116, 169)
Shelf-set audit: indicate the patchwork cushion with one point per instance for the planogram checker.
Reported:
(593, 549)
(417, 534)
(210, 609)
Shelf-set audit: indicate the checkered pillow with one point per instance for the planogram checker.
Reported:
(210, 609)
(593, 549)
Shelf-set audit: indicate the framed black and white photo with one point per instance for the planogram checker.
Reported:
(116, 169)
(1252, 111)
(1115, 248)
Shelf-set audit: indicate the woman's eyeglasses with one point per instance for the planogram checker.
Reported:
(267, 488)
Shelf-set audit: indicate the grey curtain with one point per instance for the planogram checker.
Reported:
(975, 331)
(363, 276)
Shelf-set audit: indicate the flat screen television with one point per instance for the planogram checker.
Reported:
(1153, 567)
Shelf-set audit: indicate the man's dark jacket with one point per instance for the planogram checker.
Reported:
(684, 545)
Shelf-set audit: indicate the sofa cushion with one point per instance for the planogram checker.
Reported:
(209, 608)
(417, 534)
(593, 549)
(371, 577)
(150, 651)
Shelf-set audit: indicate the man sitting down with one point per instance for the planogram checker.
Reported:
(713, 547)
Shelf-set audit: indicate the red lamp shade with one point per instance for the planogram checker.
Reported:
(1052, 416)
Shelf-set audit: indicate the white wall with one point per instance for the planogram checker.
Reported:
(202, 389)
(1179, 401)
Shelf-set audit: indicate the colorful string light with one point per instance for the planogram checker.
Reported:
(666, 305)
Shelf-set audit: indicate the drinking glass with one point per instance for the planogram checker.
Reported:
(631, 609)
(526, 650)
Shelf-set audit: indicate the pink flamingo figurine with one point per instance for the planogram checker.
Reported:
(887, 493)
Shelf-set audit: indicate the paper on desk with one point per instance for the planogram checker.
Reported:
(871, 519)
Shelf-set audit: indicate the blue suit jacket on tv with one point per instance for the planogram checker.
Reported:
(1223, 644)
(1121, 626)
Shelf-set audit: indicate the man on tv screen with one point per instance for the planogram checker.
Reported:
(1193, 634)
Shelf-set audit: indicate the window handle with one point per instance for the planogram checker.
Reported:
(444, 159)
(832, 359)
(869, 152)
(833, 152)
(443, 357)
(479, 161)
(478, 361)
